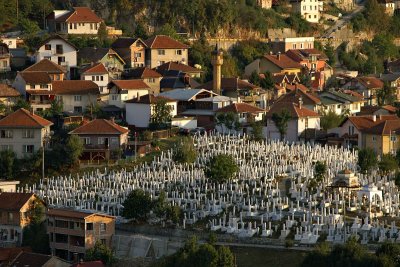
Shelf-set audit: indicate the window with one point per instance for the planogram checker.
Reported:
(393, 138)
(114, 140)
(61, 60)
(151, 80)
(178, 52)
(89, 226)
(47, 47)
(114, 97)
(138, 55)
(306, 123)
(59, 97)
(161, 52)
(91, 26)
(101, 78)
(373, 138)
(95, 26)
(10, 216)
(32, 86)
(138, 44)
(77, 98)
(75, 26)
(6, 134)
(59, 49)
(102, 227)
(86, 140)
(101, 140)
(6, 147)
(29, 149)
(103, 241)
(78, 109)
(28, 134)
(44, 86)
(93, 78)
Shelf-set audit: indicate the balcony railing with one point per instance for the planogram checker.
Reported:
(40, 102)
(96, 147)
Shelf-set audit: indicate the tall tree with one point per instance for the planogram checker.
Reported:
(221, 168)
(281, 121)
(184, 151)
(161, 116)
(137, 205)
(367, 159)
(331, 120)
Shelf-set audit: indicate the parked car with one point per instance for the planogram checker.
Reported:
(198, 130)
(184, 131)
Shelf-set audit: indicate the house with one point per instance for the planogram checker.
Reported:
(299, 93)
(23, 132)
(11, 42)
(368, 87)
(388, 6)
(186, 97)
(245, 114)
(205, 108)
(177, 80)
(377, 132)
(18, 58)
(8, 95)
(151, 77)
(266, 4)
(140, 110)
(301, 120)
(110, 59)
(176, 66)
(72, 231)
(123, 90)
(98, 74)
(60, 51)
(285, 44)
(161, 49)
(56, 72)
(31, 259)
(377, 110)
(393, 79)
(102, 139)
(279, 63)
(76, 95)
(79, 20)
(393, 66)
(5, 58)
(314, 63)
(308, 9)
(15, 216)
(131, 50)
(340, 102)
(8, 186)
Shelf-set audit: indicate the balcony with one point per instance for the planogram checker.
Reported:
(5, 69)
(96, 147)
(40, 102)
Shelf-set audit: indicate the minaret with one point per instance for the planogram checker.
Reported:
(217, 59)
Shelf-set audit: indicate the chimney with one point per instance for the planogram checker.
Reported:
(278, 56)
(373, 118)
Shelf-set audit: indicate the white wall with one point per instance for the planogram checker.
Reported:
(69, 102)
(97, 80)
(83, 28)
(69, 53)
(170, 55)
(309, 9)
(119, 99)
(185, 122)
(138, 114)
(295, 128)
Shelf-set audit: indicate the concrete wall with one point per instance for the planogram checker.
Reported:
(154, 59)
(138, 114)
(101, 80)
(81, 28)
(69, 53)
(69, 102)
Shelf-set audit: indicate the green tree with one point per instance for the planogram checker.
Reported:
(102, 33)
(320, 169)
(8, 164)
(221, 168)
(254, 78)
(267, 82)
(331, 120)
(392, 251)
(330, 53)
(21, 103)
(281, 121)
(174, 213)
(29, 27)
(137, 205)
(160, 205)
(185, 152)
(388, 164)
(161, 116)
(168, 30)
(100, 252)
(228, 120)
(257, 130)
(387, 95)
(367, 159)
(35, 237)
(73, 150)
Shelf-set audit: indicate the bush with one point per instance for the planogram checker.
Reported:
(185, 152)
(221, 168)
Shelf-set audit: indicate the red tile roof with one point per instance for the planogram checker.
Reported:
(8, 91)
(164, 42)
(98, 68)
(13, 201)
(100, 126)
(284, 62)
(294, 96)
(367, 122)
(149, 99)
(79, 15)
(30, 259)
(177, 66)
(231, 84)
(143, 73)
(35, 77)
(46, 66)
(68, 213)
(240, 108)
(54, 37)
(370, 82)
(39, 92)
(294, 110)
(130, 84)
(385, 128)
(72, 87)
(24, 119)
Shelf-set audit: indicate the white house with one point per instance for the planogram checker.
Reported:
(23, 132)
(98, 74)
(301, 120)
(139, 110)
(79, 20)
(310, 10)
(123, 90)
(58, 50)
(340, 102)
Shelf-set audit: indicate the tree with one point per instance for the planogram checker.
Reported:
(21, 103)
(391, 250)
(267, 82)
(185, 152)
(331, 120)
(102, 33)
(257, 130)
(367, 159)
(160, 205)
(254, 78)
(137, 205)
(35, 237)
(100, 252)
(281, 121)
(161, 116)
(168, 30)
(228, 120)
(8, 164)
(320, 169)
(73, 149)
(174, 213)
(221, 168)
(388, 163)
(387, 95)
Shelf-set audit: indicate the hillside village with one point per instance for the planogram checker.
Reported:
(83, 91)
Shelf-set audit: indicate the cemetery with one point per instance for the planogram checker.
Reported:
(273, 195)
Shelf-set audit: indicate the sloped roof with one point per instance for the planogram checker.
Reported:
(24, 119)
(98, 68)
(95, 54)
(100, 126)
(46, 65)
(80, 14)
(390, 77)
(125, 42)
(35, 77)
(164, 42)
(56, 36)
(184, 94)
(303, 54)
(71, 87)
(231, 84)
(13, 201)
(240, 108)
(370, 82)
(142, 73)
(176, 66)
(294, 110)
(70, 213)
(284, 62)
(385, 128)
(215, 99)
(8, 91)
(30, 259)
(367, 121)
(149, 99)
(130, 84)
(279, 78)
(294, 96)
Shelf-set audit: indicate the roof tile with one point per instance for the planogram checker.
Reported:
(24, 119)
(100, 126)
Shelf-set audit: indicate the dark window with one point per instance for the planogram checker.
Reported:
(89, 226)
(47, 47)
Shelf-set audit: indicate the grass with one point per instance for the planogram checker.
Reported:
(249, 257)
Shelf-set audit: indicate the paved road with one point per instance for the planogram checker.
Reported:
(340, 23)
